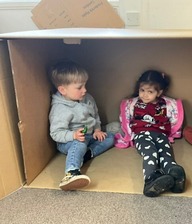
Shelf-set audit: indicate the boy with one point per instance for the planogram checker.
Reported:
(74, 122)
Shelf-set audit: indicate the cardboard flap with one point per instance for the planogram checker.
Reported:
(52, 14)
(11, 163)
(33, 102)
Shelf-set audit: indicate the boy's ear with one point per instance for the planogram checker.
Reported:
(61, 89)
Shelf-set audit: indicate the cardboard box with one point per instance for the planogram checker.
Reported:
(52, 14)
(114, 58)
(11, 162)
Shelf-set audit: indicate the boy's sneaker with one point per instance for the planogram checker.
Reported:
(74, 180)
(157, 184)
(178, 173)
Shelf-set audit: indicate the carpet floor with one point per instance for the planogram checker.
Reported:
(45, 206)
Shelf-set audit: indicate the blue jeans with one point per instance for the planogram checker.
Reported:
(75, 150)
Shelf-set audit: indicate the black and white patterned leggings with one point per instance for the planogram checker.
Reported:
(156, 151)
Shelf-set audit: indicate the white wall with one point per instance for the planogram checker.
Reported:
(167, 14)
(15, 15)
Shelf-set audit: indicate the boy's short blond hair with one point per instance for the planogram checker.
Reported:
(67, 72)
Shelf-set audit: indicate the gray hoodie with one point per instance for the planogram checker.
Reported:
(66, 116)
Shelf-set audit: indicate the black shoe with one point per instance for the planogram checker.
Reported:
(178, 173)
(88, 156)
(157, 184)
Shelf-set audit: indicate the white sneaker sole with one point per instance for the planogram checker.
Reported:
(75, 183)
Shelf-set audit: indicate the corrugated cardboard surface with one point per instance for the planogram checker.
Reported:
(115, 171)
(11, 166)
(52, 14)
(33, 101)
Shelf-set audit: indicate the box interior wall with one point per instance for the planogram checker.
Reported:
(113, 66)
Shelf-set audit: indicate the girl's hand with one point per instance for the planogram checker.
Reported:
(78, 135)
(99, 135)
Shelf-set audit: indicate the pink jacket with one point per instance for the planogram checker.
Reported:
(175, 114)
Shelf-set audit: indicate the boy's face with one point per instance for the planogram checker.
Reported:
(73, 91)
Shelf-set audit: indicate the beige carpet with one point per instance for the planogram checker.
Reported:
(117, 170)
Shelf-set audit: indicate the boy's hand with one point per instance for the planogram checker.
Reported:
(99, 135)
(78, 135)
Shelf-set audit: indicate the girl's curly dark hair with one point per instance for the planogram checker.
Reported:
(159, 80)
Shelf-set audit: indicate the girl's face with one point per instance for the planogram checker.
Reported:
(148, 93)
(73, 91)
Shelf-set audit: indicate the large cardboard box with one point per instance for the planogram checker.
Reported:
(114, 58)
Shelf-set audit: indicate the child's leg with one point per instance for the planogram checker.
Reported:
(168, 163)
(98, 147)
(146, 148)
(165, 151)
(155, 181)
(74, 150)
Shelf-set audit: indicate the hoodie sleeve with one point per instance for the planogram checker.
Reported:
(95, 109)
(59, 124)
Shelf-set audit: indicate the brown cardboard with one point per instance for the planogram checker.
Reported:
(123, 171)
(11, 162)
(33, 103)
(52, 14)
(114, 58)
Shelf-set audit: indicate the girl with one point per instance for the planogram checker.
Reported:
(150, 120)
